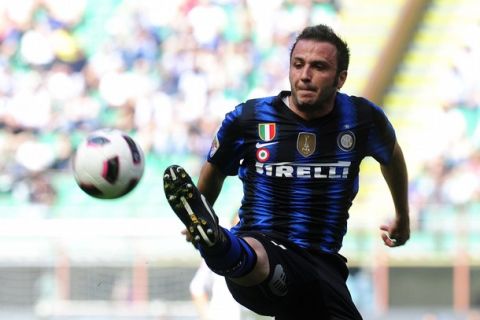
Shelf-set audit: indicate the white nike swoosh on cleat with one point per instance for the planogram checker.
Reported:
(261, 145)
(207, 206)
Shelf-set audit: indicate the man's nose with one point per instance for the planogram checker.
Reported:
(306, 74)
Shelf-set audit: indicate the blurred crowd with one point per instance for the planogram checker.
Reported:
(448, 181)
(167, 72)
(164, 71)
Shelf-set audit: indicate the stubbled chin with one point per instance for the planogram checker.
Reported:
(306, 95)
(305, 105)
(306, 99)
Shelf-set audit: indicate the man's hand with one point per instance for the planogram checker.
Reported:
(188, 236)
(397, 233)
(396, 175)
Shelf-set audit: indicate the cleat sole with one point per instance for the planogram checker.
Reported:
(190, 206)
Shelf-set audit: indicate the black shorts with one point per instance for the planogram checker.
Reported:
(302, 284)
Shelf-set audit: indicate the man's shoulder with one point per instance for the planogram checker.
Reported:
(363, 107)
(356, 101)
(262, 101)
(254, 107)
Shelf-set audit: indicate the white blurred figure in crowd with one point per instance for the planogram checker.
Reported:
(210, 295)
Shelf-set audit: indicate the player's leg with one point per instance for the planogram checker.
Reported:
(225, 253)
(333, 273)
(288, 289)
(300, 284)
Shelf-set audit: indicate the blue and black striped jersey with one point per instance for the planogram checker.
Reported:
(300, 177)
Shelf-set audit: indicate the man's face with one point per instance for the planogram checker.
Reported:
(313, 74)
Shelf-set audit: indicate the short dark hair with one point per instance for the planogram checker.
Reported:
(323, 33)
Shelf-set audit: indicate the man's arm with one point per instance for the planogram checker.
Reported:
(396, 176)
(210, 182)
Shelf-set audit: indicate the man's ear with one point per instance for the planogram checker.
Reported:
(342, 77)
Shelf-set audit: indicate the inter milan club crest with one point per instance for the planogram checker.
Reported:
(266, 131)
(306, 143)
(346, 140)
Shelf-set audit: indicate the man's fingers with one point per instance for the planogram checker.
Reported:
(188, 236)
(388, 241)
(394, 237)
(392, 240)
(384, 227)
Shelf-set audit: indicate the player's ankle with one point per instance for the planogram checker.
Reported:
(221, 245)
(238, 261)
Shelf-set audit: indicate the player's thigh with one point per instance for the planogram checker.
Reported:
(291, 279)
(299, 283)
(332, 274)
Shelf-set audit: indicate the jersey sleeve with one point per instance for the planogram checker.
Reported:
(381, 137)
(226, 149)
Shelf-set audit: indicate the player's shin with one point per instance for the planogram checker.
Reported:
(232, 257)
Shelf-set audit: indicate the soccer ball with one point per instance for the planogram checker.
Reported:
(108, 164)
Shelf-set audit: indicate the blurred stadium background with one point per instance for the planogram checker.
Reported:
(166, 72)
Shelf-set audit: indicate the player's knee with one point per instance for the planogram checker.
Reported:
(262, 267)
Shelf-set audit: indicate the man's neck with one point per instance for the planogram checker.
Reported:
(310, 114)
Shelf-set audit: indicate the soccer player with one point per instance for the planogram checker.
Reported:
(298, 155)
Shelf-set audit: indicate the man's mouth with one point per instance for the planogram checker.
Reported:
(306, 89)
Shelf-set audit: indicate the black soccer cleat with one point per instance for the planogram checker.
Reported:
(191, 206)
